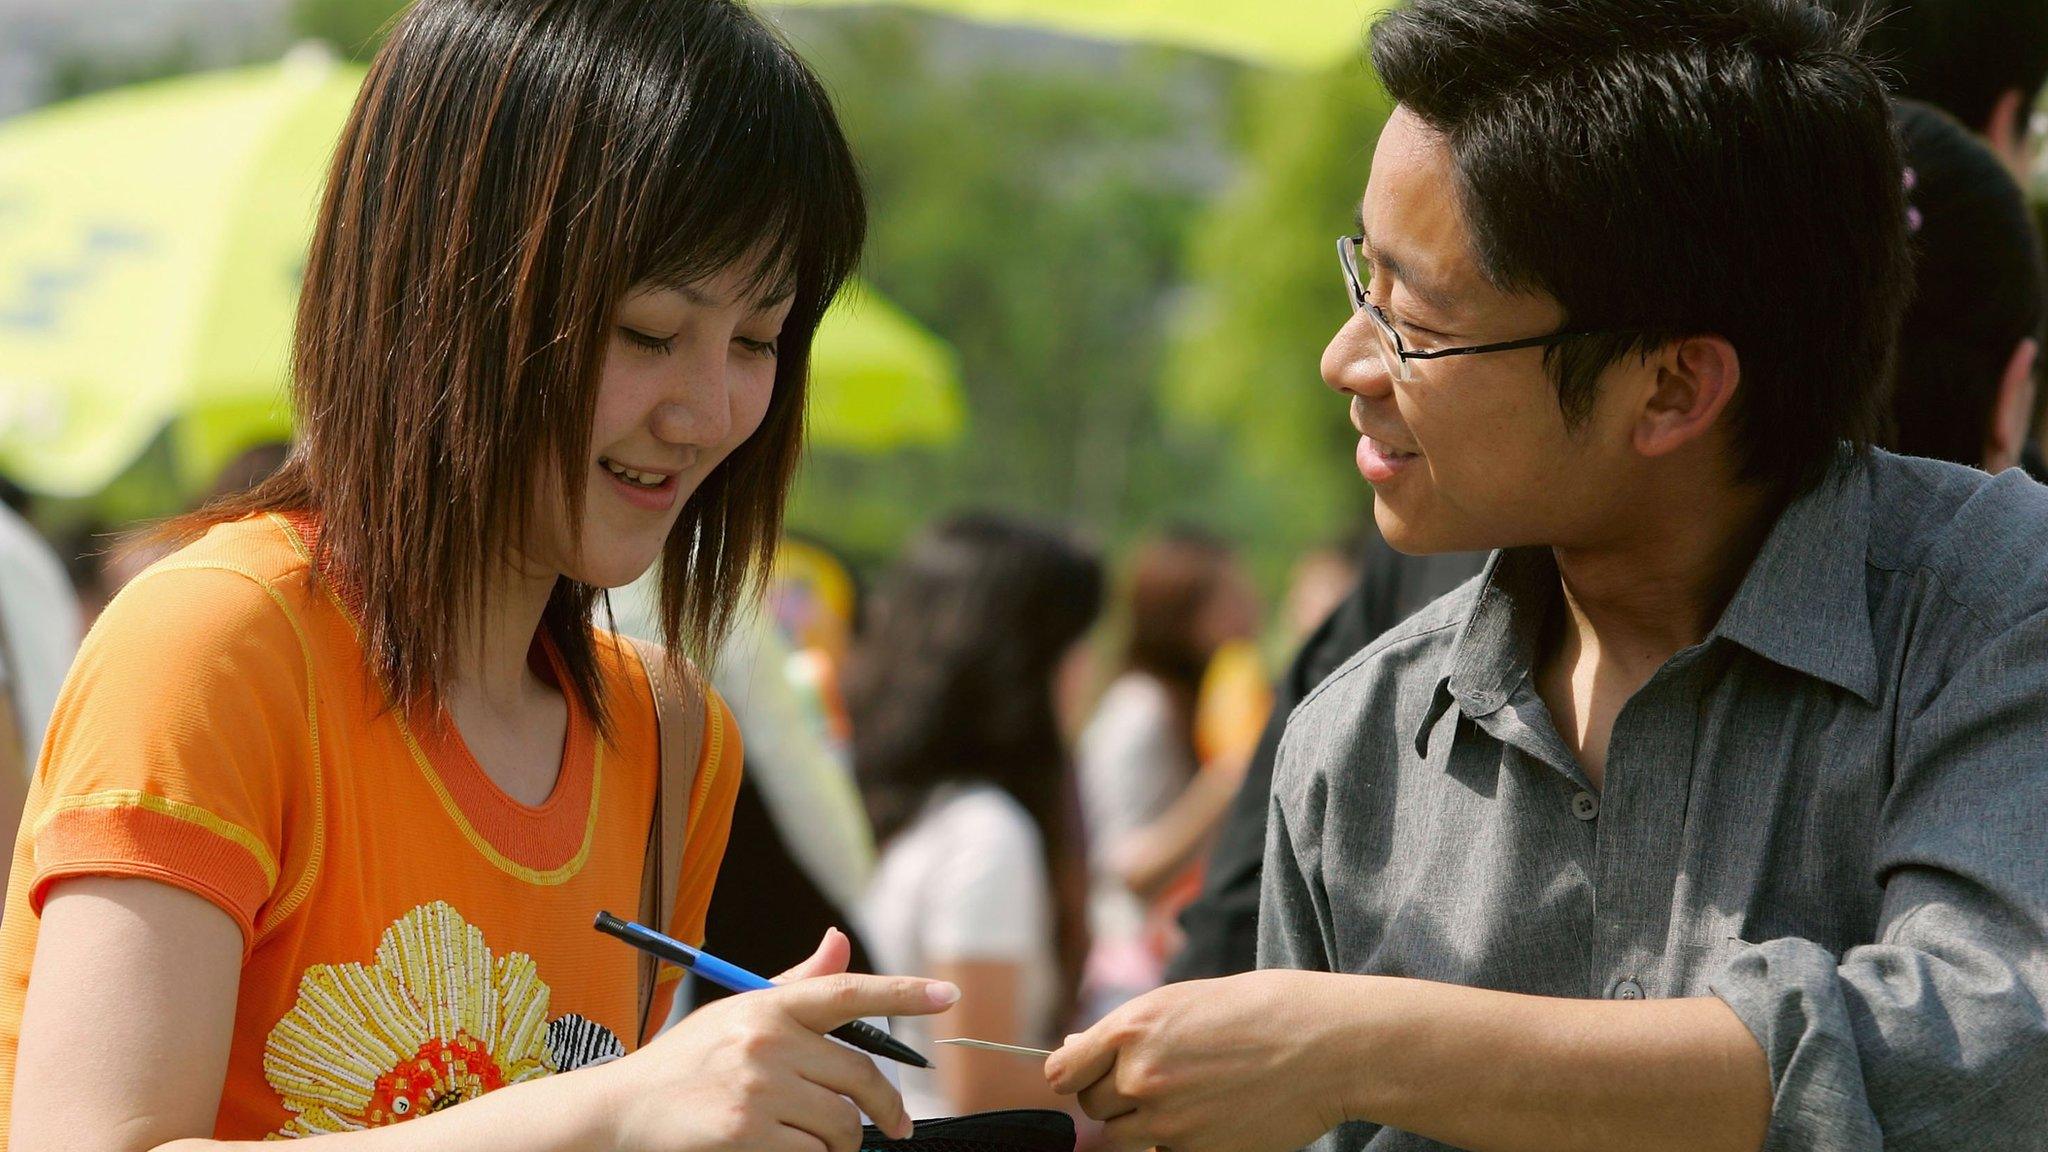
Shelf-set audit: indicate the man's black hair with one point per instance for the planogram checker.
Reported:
(1673, 168)
(1960, 55)
(1978, 288)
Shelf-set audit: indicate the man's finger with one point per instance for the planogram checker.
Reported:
(1101, 1100)
(826, 1002)
(1081, 1061)
(1127, 1134)
(830, 958)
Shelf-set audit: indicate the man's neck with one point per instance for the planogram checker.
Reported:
(1639, 598)
(1648, 595)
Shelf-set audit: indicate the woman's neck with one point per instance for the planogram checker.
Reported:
(492, 673)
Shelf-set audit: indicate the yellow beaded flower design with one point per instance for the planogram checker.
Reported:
(434, 1022)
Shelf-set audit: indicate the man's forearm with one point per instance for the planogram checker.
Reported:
(1497, 1072)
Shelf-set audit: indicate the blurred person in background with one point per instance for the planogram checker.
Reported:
(333, 793)
(815, 599)
(1971, 339)
(1149, 801)
(40, 626)
(1981, 61)
(1321, 579)
(800, 840)
(975, 638)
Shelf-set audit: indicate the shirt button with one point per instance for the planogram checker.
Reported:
(1628, 990)
(1585, 806)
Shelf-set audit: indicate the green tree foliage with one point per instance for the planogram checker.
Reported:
(1268, 297)
(354, 27)
(1031, 202)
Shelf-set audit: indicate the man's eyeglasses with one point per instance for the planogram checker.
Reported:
(1393, 353)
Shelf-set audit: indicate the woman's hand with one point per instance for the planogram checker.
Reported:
(755, 1071)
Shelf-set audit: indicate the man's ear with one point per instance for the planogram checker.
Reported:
(2006, 132)
(1695, 381)
(2014, 411)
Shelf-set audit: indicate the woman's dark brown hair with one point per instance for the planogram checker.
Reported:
(511, 169)
(1173, 578)
(952, 682)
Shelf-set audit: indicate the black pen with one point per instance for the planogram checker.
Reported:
(733, 978)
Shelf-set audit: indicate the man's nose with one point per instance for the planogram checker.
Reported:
(1352, 361)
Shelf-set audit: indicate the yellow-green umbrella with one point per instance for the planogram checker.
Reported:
(151, 241)
(1308, 34)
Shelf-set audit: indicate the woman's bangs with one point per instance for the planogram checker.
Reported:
(754, 175)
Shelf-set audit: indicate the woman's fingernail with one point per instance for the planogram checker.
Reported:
(1071, 1037)
(943, 994)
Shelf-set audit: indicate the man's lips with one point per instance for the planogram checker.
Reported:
(1382, 444)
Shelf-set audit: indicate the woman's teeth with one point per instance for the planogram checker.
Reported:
(644, 479)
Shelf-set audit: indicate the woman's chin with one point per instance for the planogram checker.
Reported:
(613, 571)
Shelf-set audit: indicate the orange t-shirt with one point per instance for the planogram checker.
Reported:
(412, 936)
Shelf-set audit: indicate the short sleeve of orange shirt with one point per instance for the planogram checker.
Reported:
(220, 733)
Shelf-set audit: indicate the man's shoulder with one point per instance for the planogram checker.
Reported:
(1411, 656)
(1977, 541)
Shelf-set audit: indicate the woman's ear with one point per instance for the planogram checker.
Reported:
(2006, 132)
(1695, 380)
(2013, 413)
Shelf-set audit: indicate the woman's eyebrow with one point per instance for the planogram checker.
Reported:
(694, 295)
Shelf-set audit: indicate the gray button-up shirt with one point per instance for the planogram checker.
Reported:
(1832, 814)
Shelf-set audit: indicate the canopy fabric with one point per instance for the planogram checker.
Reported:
(151, 246)
(1304, 34)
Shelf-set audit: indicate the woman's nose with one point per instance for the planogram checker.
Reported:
(696, 409)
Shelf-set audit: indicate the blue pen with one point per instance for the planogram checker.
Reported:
(734, 978)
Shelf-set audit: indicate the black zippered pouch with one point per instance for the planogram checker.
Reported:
(1014, 1130)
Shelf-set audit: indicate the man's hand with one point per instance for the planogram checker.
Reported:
(1248, 1063)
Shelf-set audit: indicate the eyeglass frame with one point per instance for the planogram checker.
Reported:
(1348, 249)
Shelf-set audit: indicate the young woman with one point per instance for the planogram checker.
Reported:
(960, 759)
(334, 792)
(1149, 805)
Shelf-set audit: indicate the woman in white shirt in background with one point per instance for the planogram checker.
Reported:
(1149, 802)
(962, 766)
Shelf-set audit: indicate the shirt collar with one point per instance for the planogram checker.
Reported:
(1803, 604)
(1496, 646)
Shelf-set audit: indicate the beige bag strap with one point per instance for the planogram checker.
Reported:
(679, 712)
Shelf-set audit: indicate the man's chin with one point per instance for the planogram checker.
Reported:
(1413, 535)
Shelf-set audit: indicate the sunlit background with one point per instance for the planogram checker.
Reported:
(1097, 287)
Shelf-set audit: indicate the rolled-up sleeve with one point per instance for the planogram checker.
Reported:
(1933, 1037)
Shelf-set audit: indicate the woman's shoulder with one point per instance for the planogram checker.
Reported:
(978, 816)
(626, 667)
(242, 586)
(1134, 708)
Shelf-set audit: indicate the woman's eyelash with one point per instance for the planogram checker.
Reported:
(651, 343)
(663, 344)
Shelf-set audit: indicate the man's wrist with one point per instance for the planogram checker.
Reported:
(1346, 1055)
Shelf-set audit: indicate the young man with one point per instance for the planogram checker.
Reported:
(1982, 61)
(1711, 816)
